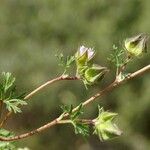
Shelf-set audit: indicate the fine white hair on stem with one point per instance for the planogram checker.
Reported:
(106, 90)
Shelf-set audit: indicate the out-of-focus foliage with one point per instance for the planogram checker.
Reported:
(6, 145)
(33, 31)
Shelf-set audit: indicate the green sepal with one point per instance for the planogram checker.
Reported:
(105, 127)
(81, 60)
(94, 74)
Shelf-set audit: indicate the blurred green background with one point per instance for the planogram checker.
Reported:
(33, 31)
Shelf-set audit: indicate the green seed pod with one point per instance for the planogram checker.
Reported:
(136, 45)
(105, 127)
(94, 74)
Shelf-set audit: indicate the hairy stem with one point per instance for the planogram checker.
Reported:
(88, 101)
(84, 121)
(1, 108)
(48, 83)
(64, 121)
(122, 68)
(5, 118)
(38, 90)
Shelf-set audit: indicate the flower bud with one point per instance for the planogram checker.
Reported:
(94, 74)
(84, 55)
(105, 127)
(136, 45)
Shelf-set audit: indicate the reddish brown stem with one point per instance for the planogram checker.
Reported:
(88, 101)
(36, 91)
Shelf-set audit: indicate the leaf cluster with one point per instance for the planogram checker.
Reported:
(8, 93)
(117, 57)
(6, 145)
(65, 62)
(74, 116)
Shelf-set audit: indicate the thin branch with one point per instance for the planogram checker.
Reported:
(48, 125)
(88, 101)
(84, 121)
(31, 94)
(48, 83)
(1, 107)
(128, 59)
(64, 122)
(122, 68)
(139, 72)
(87, 121)
(115, 84)
(5, 118)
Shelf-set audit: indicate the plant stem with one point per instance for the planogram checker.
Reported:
(122, 68)
(64, 121)
(5, 118)
(84, 121)
(88, 101)
(48, 83)
(32, 93)
(1, 108)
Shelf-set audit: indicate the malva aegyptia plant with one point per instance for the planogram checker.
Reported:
(89, 73)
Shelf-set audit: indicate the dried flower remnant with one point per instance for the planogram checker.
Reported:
(136, 45)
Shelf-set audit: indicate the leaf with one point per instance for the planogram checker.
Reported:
(12, 105)
(77, 113)
(79, 127)
(82, 129)
(6, 85)
(65, 62)
(6, 145)
(7, 81)
(5, 133)
(60, 58)
(70, 60)
(117, 56)
(14, 95)
(67, 109)
(8, 93)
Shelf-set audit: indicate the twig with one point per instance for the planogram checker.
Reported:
(84, 121)
(115, 84)
(5, 118)
(52, 123)
(48, 83)
(37, 90)
(1, 107)
(122, 68)
(88, 101)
